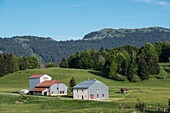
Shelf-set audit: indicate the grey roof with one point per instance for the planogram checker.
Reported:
(85, 84)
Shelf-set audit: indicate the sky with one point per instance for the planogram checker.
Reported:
(72, 19)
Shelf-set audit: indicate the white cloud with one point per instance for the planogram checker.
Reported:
(156, 2)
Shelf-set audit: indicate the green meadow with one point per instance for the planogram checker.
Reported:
(152, 92)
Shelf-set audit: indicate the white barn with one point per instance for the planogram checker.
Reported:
(36, 79)
(50, 87)
(90, 90)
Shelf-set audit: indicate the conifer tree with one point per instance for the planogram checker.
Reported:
(72, 83)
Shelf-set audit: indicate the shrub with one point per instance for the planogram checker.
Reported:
(140, 105)
(119, 77)
(51, 64)
(135, 78)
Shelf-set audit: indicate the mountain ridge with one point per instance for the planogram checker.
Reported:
(50, 50)
(121, 32)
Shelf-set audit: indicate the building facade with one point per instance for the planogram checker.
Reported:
(50, 87)
(36, 79)
(90, 90)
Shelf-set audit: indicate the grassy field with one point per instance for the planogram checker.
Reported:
(151, 92)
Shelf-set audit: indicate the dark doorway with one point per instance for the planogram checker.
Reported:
(45, 93)
(82, 97)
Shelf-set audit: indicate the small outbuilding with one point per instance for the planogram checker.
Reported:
(50, 87)
(123, 90)
(90, 90)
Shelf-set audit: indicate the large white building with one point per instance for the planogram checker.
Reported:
(90, 90)
(41, 84)
(38, 78)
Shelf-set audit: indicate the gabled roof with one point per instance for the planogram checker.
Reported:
(38, 89)
(86, 84)
(37, 75)
(48, 83)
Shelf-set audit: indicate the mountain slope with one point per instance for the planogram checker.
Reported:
(49, 50)
(120, 33)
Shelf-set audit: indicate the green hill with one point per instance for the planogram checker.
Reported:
(151, 92)
(13, 81)
(19, 80)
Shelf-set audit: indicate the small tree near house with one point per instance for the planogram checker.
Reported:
(72, 83)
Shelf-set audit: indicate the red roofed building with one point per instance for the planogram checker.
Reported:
(50, 87)
(37, 75)
(37, 78)
(41, 84)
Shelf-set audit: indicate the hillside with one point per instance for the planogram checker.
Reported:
(49, 50)
(156, 32)
(119, 102)
(13, 81)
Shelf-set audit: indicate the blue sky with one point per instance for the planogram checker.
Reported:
(72, 19)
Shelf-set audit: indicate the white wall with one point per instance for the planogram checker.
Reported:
(35, 81)
(45, 77)
(79, 93)
(56, 88)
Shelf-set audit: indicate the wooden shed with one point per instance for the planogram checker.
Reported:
(123, 90)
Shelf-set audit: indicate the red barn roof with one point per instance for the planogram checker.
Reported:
(37, 75)
(48, 83)
(38, 89)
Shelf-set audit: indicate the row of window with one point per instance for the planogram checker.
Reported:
(81, 90)
(61, 92)
(97, 93)
(92, 95)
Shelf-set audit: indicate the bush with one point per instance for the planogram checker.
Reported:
(135, 78)
(51, 64)
(169, 105)
(119, 77)
(162, 74)
(140, 105)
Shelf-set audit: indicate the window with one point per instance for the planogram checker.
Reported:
(61, 92)
(102, 94)
(57, 88)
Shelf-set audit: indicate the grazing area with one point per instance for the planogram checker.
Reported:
(154, 92)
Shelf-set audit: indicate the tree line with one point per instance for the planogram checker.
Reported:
(10, 63)
(125, 62)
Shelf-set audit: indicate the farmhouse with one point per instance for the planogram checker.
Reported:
(50, 87)
(90, 90)
(41, 84)
(38, 78)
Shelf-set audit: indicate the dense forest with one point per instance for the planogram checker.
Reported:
(10, 63)
(125, 62)
(49, 50)
(122, 63)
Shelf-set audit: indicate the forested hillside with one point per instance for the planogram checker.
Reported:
(49, 50)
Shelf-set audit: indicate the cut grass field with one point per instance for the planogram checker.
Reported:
(151, 92)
